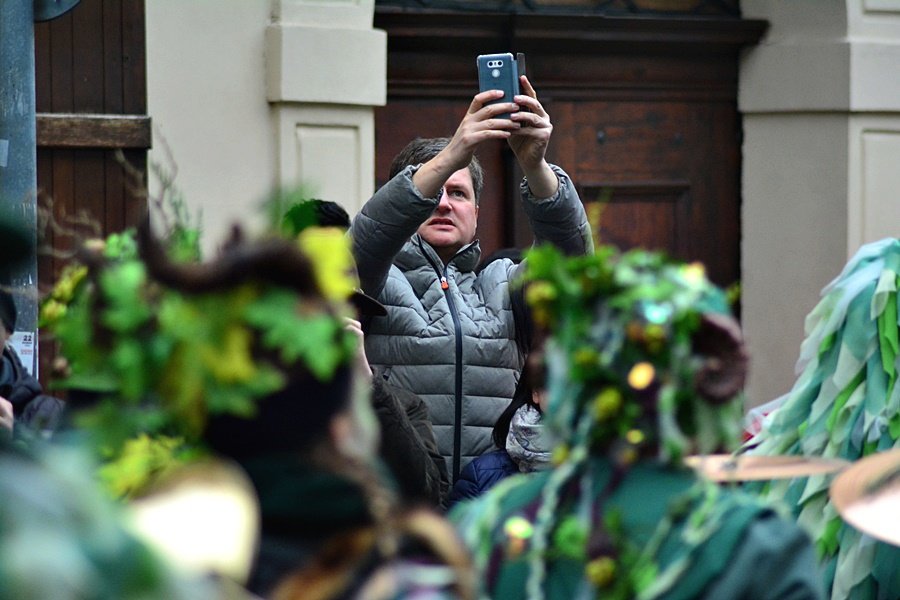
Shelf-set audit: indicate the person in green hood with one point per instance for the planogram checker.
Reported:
(844, 404)
(644, 367)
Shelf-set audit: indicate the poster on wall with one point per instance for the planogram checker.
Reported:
(23, 343)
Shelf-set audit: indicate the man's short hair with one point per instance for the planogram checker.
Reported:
(422, 150)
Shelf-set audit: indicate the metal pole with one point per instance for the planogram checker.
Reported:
(18, 158)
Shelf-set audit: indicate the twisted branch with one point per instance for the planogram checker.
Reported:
(273, 260)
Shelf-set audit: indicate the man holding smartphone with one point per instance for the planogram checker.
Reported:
(450, 335)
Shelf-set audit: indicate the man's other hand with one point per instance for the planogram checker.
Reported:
(529, 142)
(355, 327)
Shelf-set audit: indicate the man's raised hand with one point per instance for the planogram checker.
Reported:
(529, 142)
(480, 123)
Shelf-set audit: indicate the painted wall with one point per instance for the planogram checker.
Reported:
(821, 104)
(250, 95)
(794, 235)
(206, 82)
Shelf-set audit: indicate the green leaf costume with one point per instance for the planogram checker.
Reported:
(845, 404)
(159, 362)
(620, 517)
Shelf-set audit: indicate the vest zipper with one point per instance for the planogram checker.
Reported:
(457, 423)
(457, 394)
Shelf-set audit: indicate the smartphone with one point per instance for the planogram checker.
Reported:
(500, 72)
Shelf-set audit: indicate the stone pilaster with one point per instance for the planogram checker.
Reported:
(325, 71)
(820, 98)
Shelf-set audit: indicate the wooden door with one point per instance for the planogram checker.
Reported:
(91, 102)
(644, 111)
(670, 174)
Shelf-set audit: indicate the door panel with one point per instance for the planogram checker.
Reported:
(679, 157)
(91, 102)
(644, 112)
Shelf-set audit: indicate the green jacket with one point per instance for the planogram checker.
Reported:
(751, 554)
(844, 404)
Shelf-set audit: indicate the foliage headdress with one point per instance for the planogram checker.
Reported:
(643, 361)
(642, 353)
(162, 342)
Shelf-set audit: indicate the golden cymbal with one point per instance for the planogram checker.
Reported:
(729, 467)
(867, 495)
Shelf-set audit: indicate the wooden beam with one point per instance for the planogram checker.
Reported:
(471, 32)
(60, 130)
(625, 191)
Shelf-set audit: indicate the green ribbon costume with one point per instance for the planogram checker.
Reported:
(730, 555)
(844, 404)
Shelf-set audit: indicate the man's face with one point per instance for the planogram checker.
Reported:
(452, 224)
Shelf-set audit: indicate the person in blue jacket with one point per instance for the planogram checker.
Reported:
(520, 440)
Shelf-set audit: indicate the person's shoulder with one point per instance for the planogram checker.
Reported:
(516, 490)
(503, 258)
(509, 496)
(494, 274)
(496, 460)
(408, 400)
(769, 557)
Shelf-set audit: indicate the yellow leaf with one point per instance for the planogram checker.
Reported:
(231, 362)
(329, 251)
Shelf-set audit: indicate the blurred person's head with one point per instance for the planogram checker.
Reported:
(8, 315)
(643, 357)
(18, 241)
(313, 406)
(18, 245)
(315, 212)
(245, 354)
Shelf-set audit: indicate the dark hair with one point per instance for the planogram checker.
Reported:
(422, 150)
(522, 396)
(291, 420)
(8, 312)
(330, 214)
(314, 212)
(18, 242)
(531, 342)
